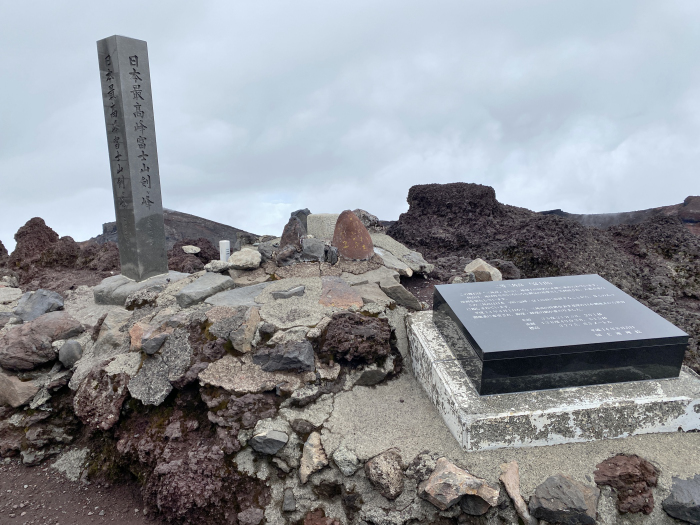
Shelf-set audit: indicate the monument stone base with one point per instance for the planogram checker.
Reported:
(546, 417)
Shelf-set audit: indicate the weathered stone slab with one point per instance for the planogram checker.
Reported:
(131, 138)
(115, 289)
(207, 285)
(548, 417)
(238, 296)
(8, 295)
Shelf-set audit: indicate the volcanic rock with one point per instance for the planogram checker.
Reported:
(98, 401)
(245, 259)
(28, 345)
(354, 338)
(385, 471)
(294, 232)
(151, 384)
(346, 461)
(289, 502)
(204, 287)
(8, 295)
(312, 250)
(318, 517)
(69, 354)
(560, 499)
(448, 483)
(371, 222)
(633, 478)
(352, 238)
(684, 501)
(14, 392)
(483, 271)
(473, 505)
(34, 304)
(337, 293)
(297, 291)
(32, 239)
(302, 215)
(293, 355)
(313, 457)
(269, 437)
(193, 250)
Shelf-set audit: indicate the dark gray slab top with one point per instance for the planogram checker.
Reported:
(555, 315)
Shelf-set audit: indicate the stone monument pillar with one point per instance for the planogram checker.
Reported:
(131, 139)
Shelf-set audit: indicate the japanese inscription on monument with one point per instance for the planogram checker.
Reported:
(131, 139)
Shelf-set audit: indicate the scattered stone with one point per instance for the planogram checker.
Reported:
(267, 439)
(313, 457)
(560, 499)
(34, 304)
(245, 259)
(448, 483)
(116, 289)
(191, 249)
(302, 216)
(14, 392)
(238, 296)
(473, 505)
(312, 250)
(243, 278)
(393, 263)
(352, 238)
(346, 461)
(684, 501)
(151, 385)
(294, 232)
(385, 471)
(510, 477)
(143, 298)
(414, 260)
(321, 225)
(69, 354)
(332, 254)
(251, 516)
(508, 270)
(297, 291)
(207, 285)
(373, 374)
(372, 276)
(458, 279)
(633, 478)
(355, 338)
(151, 345)
(29, 345)
(483, 271)
(5, 318)
(318, 517)
(399, 294)
(293, 355)
(370, 221)
(99, 398)
(217, 266)
(8, 295)
(371, 293)
(268, 250)
(289, 502)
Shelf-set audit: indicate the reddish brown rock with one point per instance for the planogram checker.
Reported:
(354, 338)
(29, 344)
(32, 239)
(318, 517)
(14, 392)
(352, 238)
(690, 211)
(633, 478)
(180, 261)
(98, 401)
(293, 234)
(339, 294)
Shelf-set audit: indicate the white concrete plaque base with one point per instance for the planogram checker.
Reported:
(546, 417)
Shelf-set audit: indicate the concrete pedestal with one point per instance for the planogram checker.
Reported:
(546, 417)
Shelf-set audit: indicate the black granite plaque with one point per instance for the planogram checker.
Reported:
(535, 334)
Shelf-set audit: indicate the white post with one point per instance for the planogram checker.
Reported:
(224, 250)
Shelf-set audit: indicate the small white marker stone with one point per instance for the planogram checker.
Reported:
(224, 250)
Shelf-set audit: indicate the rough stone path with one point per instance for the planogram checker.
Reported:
(42, 496)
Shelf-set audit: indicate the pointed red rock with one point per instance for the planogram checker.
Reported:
(352, 238)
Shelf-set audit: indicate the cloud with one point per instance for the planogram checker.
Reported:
(264, 108)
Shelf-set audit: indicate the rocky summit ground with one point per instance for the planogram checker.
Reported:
(276, 387)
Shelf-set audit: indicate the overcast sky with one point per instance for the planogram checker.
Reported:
(265, 107)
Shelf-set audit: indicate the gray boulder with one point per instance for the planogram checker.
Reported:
(399, 294)
(312, 250)
(238, 296)
(269, 441)
(293, 355)
(116, 289)
(302, 215)
(151, 385)
(70, 352)
(560, 499)
(684, 501)
(207, 285)
(34, 304)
